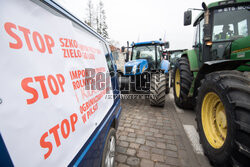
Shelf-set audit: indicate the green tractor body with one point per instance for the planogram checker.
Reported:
(214, 79)
(236, 47)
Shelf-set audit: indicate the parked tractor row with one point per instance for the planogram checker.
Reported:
(213, 78)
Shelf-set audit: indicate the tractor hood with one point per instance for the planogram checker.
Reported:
(240, 48)
(136, 67)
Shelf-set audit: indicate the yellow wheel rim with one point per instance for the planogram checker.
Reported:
(214, 120)
(177, 83)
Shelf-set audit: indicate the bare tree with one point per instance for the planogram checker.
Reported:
(96, 18)
(102, 27)
(90, 13)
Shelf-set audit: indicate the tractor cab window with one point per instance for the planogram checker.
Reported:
(243, 28)
(201, 31)
(196, 37)
(229, 24)
(147, 52)
(159, 55)
(223, 32)
(198, 41)
(159, 52)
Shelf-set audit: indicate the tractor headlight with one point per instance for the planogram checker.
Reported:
(134, 69)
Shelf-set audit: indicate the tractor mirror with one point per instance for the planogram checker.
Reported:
(166, 45)
(123, 49)
(204, 6)
(187, 17)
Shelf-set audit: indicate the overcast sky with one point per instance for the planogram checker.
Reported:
(145, 20)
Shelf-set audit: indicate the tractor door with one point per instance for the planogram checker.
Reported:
(159, 56)
(198, 41)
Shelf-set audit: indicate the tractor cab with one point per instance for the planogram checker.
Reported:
(145, 56)
(222, 29)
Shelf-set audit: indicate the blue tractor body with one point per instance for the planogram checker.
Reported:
(165, 65)
(147, 70)
(146, 59)
(138, 65)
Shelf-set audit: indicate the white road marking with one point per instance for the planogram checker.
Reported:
(171, 96)
(194, 138)
(178, 110)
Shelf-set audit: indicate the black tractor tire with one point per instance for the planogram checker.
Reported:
(233, 90)
(186, 78)
(168, 76)
(106, 150)
(157, 89)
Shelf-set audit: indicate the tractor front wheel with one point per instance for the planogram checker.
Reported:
(223, 118)
(158, 89)
(182, 83)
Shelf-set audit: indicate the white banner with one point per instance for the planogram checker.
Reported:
(46, 114)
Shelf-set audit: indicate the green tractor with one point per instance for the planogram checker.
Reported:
(214, 78)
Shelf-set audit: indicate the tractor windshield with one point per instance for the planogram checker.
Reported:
(229, 24)
(143, 52)
(147, 52)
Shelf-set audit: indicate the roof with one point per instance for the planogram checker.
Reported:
(147, 43)
(220, 3)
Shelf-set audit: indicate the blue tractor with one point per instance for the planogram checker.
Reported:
(147, 70)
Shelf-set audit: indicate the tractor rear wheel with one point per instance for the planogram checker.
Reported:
(223, 118)
(157, 89)
(182, 83)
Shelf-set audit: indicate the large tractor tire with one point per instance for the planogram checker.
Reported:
(157, 89)
(223, 118)
(183, 78)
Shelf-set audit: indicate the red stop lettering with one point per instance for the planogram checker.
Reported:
(40, 41)
(41, 81)
(62, 129)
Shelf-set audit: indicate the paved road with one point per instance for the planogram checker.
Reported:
(158, 137)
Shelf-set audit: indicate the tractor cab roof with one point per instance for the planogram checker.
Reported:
(147, 43)
(220, 4)
(226, 3)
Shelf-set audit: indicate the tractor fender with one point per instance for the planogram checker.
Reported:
(192, 58)
(165, 65)
(217, 65)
